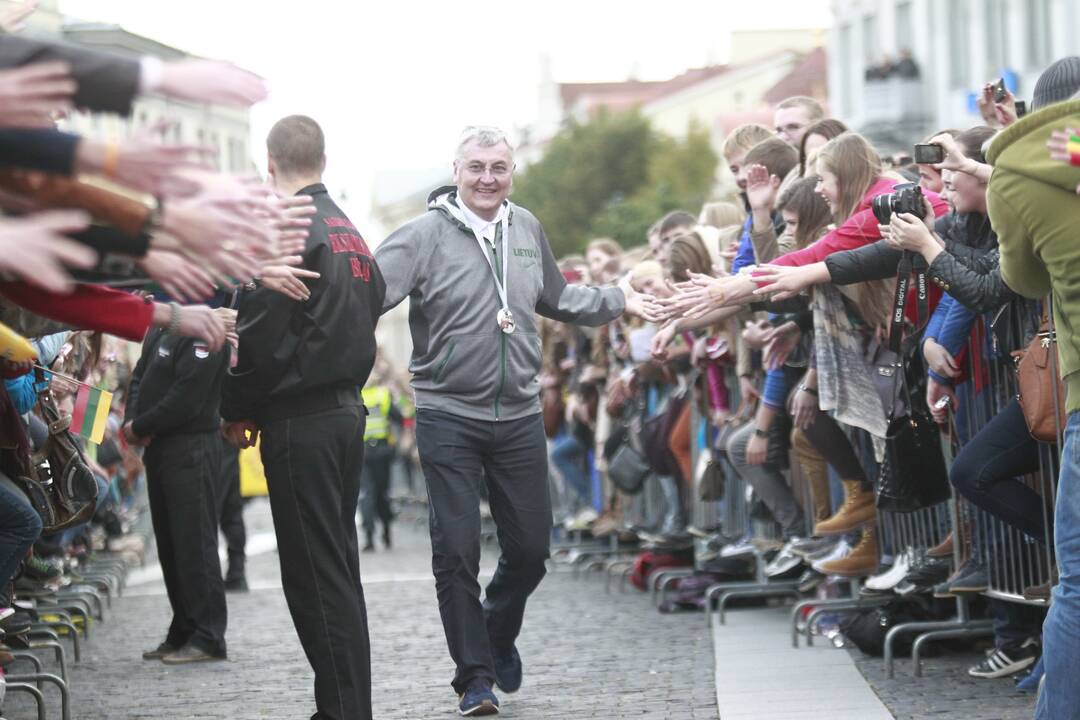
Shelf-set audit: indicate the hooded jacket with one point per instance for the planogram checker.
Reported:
(1034, 209)
(462, 363)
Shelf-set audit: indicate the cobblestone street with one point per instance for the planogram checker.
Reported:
(587, 654)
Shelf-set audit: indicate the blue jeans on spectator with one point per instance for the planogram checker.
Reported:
(1060, 698)
(568, 455)
(20, 526)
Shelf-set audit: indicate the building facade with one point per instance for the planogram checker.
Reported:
(956, 45)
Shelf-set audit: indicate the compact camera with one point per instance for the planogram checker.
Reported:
(906, 198)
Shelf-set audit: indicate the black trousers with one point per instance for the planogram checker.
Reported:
(181, 478)
(378, 457)
(313, 465)
(231, 510)
(456, 453)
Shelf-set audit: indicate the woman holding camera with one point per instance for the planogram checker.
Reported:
(850, 177)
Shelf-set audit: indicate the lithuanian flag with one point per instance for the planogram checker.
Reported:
(91, 411)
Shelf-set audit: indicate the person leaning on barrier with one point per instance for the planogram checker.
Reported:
(1034, 210)
(476, 269)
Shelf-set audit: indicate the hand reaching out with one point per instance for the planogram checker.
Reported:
(30, 93)
(288, 280)
(761, 188)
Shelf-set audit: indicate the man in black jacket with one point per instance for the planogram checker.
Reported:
(172, 410)
(297, 382)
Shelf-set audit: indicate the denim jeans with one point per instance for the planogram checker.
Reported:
(1060, 698)
(20, 526)
(568, 456)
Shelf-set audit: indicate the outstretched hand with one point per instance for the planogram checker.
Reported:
(639, 304)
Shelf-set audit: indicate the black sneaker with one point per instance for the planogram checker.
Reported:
(809, 580)
(923, 577)
(507, 670)
(478, 700)
(1007, 661)
(159, 652)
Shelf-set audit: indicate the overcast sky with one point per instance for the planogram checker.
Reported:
(393, 83)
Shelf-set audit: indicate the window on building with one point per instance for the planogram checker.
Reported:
(958, 42)
(843, 49)
(905, 34)
(997, 36)
(871, 46)
(1037, 16)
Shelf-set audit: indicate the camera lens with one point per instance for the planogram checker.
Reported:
(882, 206)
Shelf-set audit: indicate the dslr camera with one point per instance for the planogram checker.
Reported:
(906, 198)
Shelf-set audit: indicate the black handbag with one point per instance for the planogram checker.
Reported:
(711, 483)
(628, 469)
(913, 475)
(626, 464)
(655, 436)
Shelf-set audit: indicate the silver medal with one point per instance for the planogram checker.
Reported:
(506, 320)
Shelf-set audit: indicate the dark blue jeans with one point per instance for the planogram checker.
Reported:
(987, 472)
(20, 526)
(1060, 698)
(510, 457)
(568, 455)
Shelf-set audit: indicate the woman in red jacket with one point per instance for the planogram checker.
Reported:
(850, 176)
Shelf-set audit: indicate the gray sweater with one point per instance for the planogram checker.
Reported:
(462, 363)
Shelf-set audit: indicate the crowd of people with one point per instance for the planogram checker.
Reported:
(833, 296)
(782, 316)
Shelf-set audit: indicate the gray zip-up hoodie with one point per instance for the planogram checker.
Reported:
(462, 363)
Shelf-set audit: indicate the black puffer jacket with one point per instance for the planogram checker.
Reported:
(968, 270)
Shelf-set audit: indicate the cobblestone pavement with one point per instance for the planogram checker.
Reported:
(587, 654)
(945, 691)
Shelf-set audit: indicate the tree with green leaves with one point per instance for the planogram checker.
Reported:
(614, 176)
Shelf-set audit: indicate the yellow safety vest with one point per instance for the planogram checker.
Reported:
(377, 400)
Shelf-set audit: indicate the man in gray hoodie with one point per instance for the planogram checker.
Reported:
(476, 269)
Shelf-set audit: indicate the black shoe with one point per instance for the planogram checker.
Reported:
(369, 547)
(1007, 661)
(924, 577)
(507, 670)
(190, 654)
(386, 537)
(236, 585)
(809, 580)
(159, 652)
(478, 700)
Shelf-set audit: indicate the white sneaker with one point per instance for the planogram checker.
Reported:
(840, 551)
(891, 577)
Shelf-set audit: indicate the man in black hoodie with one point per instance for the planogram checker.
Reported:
(297, 381)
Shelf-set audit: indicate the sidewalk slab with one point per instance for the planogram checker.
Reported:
(760, 675)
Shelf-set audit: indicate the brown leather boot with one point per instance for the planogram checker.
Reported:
(816, 471)
(858, 510)
(944, 549)
(861, 561)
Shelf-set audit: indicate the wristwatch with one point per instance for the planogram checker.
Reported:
(252, 284)
(758, 432)
(808, 389)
